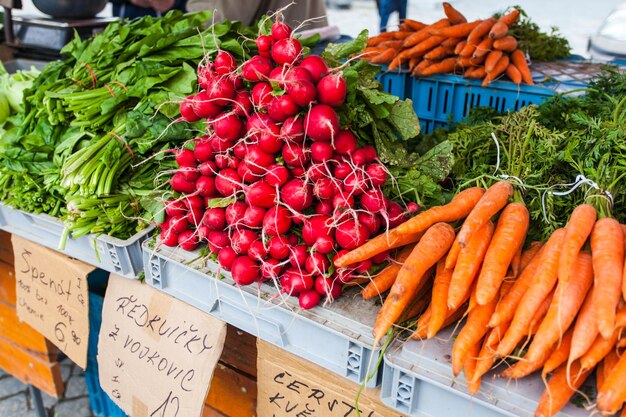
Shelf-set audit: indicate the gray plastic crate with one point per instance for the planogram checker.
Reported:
(418, 381)
(122, 257)
(337, 337)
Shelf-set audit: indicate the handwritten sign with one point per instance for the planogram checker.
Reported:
(52, 296)
(156, 354)
(293, 387)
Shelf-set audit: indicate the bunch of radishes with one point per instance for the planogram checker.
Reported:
(298, 187)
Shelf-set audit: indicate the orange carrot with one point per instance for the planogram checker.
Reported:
(494, 199)
(506, 44)
(439, 305)
(483, 48)
(539, 315)
(609, 362)
(480, 31)
(467, 267)
(513, 73)
(385, 279)
(516, 262)
(598, 350)
(519, 60)
(577, 231)
(585, 328)
(432, 247)
(379, 244)
(417, 71)
(415, 308)
(413, 63)
(422, 323)
(477, 73)
(444, 67)
(529, 254)
(384, 57)
(510, 18)
(401, 35)
(613, 392)
(465, 62)
(560, 389)
(524, 368)
(459, 47)
(498, 70)
(423, 34)
(397, 61)
(451, 43)
(469, 367)
(456, 31)
(498, 30)
(395, 44)
(426, 45)
(438, 53)
(414, 24)
(507, 239)
(375, 40)
(492, 59)
(607, 250)
(467, 51)
(454, 16)
(560, 354)
(487, 356)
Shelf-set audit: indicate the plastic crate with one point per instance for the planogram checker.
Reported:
(337, 337)
(418, 381)
(122, 257)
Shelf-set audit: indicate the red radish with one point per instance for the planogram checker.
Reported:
(277, 175)
(396, 214)
(256, 68)
(316, 66)
(297, 194)
(257, 250)
(228, 182)
(241, 240)
(203, 151)
(178, 224)
(276, 221)
(298, 256)
(298, 74)
(316, 227)
(335, 290)
(221, 91)
(206, 186)
(324, 207)
(370, 220)
(218, 240)
(324, 245)
(281, 108)
(269, 139)
(188, 240)
(228, 126)
(332, 90)
(364, 155)
(257, 160)
(261, 194)
(271, 268)
(215, 218)
(208, 168)
(343, 201)
(261, 94)
(174, 207)
(186, 110)
(226, 257)
(189, 174)
(321, 123)
(292, 238)
(240, 150)
(223, 161)
(294, 282)
(374, 201)
(185, 158)
(292, 130)
(302, 92)
(246, 173)
(343, 276)
(236, 80)
(377, 174)
(169, 238)
(309, 299)
(317, 171)
(286, 51)
(193, 202)
(325, 189)
(295, 155)
(317, 264)
(224, 63)
(298, 172)
(205, 74)
(278, 247)
(242, 105)
(245, 270)
(195, 216)
(413, 207)
(264, 44)
(203, 232)
(258, 122)
(221, 145)
(345, 142)
(350, 234)
(280, 31)
(204, 107)
(235, 212)
(253, 217)
(381, 257)
(363, 266)
(321, 151)
(181, 185)
(324, 286)
(278, 76)
(342, 170)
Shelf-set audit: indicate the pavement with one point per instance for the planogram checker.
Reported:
(16, 401)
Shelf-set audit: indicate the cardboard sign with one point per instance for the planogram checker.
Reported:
(293, 387)
(156, 354)
(52, 296)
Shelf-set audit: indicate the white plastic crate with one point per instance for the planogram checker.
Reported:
(122, 257)
(337, 337)
(418, 381)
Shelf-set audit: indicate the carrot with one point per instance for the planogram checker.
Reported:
(474, 329)
(415, 308)
(585, 329)
(607, 250)
(421, 48)
(469, 367)
(513, 73)
(460, 206)
(506, 44)
(498, 30)
(483, 48)
(541, 285)
(459, 47)
(420, 67)
(432, 247)
(423, 34)
(470, 61)
(456, 31)
(492, 59)
(467, 267)
(516, 262)
(529, 254)
(384, 57)
(609, 362)
(439, 305)
(499, 69)
(507, 239)
(524, 368)
(510, 18)
(519, 60)
(611, 396)
(480, 31)
(494, 199)
(444, 67)
(395, 44)
(422, 323)
(468, 50)
(385, 241)
(560, 389)
(438, 53)
(375, 40)
(560, 354)
(401, 35)
(598, 350)
(413, 63)
(487, 357)
(577, 231)
(539, 315)
(451, 43)
(454, 16)
(385, 279)
(414, 24)
(477, 73)
(621, 343)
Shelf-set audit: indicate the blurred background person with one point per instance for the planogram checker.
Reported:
(130, 9)
(386, 7)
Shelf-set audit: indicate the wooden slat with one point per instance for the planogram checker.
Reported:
(6, 249)
(31, 370)
(240, 351)
(232, 393)
(7, 283)
(24, 336)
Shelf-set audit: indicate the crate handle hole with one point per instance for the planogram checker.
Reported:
(405, 392)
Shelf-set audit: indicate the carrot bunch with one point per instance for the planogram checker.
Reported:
(481, 49)
(561, 302)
